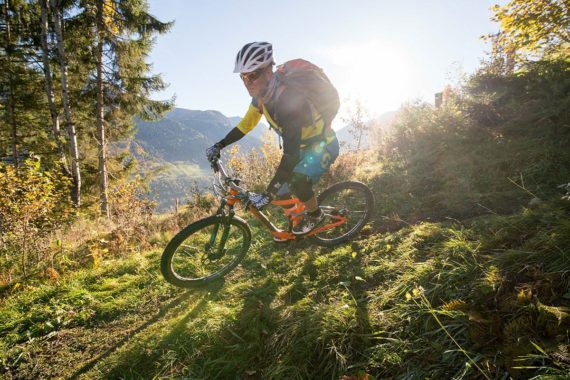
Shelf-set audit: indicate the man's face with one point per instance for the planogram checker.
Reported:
(256, 82)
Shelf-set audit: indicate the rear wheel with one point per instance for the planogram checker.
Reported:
(205, 251)
(350, 200)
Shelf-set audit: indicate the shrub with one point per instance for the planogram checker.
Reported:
(34, 203)
(256, 168)
(131, 214)
(498, 142)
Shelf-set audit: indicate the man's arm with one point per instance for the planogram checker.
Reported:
(249, 121)
(234, 135)
(245, 125)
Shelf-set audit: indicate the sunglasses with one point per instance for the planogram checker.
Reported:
(253, 76)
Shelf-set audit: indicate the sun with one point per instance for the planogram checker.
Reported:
(375, 74)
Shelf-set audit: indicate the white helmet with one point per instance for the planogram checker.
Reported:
(254, 56)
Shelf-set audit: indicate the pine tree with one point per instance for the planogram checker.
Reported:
(102, 80)
(69, 121)
(9, 72)
(21, 95)
(124, 37)
(103, 177)
(45, 53)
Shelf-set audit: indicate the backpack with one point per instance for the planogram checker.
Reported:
(312, 81)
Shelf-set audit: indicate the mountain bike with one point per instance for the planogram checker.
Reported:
(210, 248)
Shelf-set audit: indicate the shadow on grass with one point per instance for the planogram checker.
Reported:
(162, 312)
(239, 348)
(245, 332)
(223, 341)
(364, 338)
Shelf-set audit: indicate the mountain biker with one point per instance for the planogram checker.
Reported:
(310, 145)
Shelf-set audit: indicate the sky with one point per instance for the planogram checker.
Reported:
(380, 53)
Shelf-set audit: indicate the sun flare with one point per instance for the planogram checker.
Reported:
(375, 74)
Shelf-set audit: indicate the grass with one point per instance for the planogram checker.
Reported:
(436, 300)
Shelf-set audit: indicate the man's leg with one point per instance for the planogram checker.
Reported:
(284, 192)
(315, 161)
(302, 187)
(311, 205)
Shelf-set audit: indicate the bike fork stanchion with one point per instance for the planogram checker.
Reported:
(213, 237)
(226, 230)
(226, 222)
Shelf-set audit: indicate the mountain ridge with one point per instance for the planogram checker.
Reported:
(173, 148)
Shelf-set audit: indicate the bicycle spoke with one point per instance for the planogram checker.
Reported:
(351, 200)
(204, 254)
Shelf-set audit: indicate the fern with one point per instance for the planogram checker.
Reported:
(455, 305)
(559, 312)
(517, 328)
(562, 354)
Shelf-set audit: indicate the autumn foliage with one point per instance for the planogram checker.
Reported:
(34, 203)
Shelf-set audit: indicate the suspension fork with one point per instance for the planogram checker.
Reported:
(226, 231)
(226, 218)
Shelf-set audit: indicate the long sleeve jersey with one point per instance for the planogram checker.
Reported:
(293, 118)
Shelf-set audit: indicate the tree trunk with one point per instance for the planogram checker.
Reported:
(359, 139)
(10, 119)
(49, 91)
(99, 114)
(69, 125)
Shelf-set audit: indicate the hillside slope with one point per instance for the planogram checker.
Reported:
(462, 273)
(489, 299)
(184, 135)
(172, 151)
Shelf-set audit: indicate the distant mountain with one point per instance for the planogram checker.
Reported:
(174, 150)
(384, 122)
(184, 135)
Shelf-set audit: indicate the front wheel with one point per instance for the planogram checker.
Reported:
(350, 201)
(205, 251)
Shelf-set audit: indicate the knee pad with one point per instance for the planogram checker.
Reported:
(302, 186)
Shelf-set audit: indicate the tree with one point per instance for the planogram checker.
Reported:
(69, 121)
(358, 125)
(99, 111)
(535, 26)
(102, 81)
(49, 87)
(501, 59)
(124, 37)
(9, 70)
(21, 90)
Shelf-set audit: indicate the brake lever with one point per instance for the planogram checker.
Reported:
(234, 180)
(246, 201)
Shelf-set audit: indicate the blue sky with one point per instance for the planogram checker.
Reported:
(381, 52)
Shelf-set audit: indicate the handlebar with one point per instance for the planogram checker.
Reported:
(222, 180)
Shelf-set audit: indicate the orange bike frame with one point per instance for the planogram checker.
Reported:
(293, 209)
